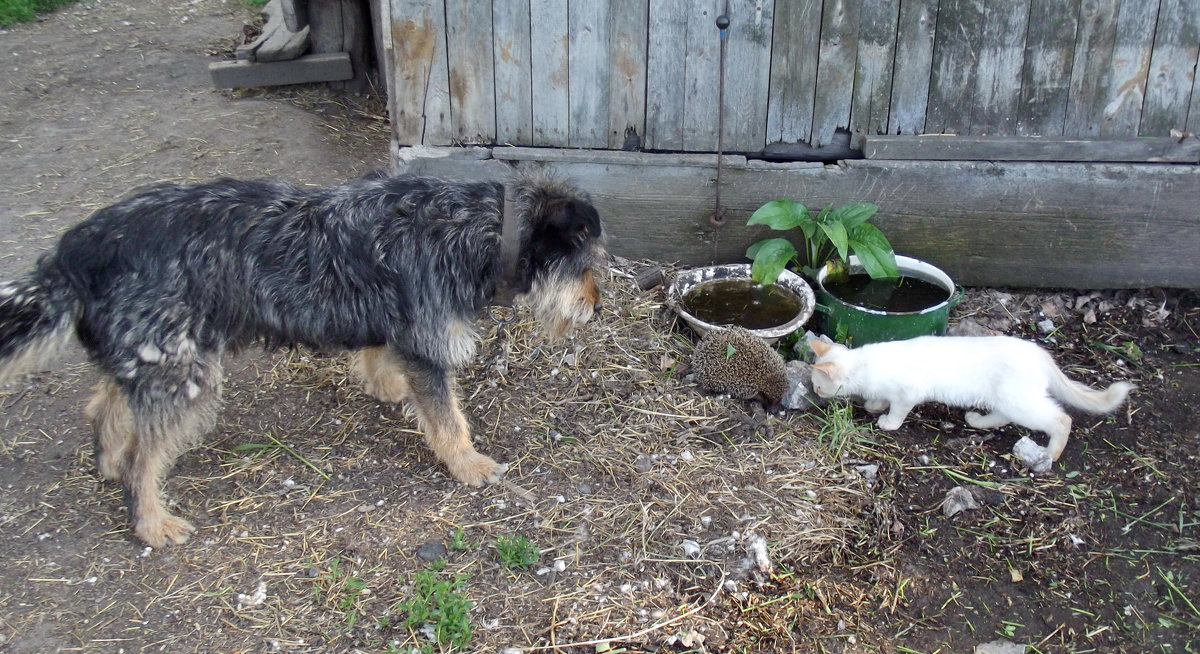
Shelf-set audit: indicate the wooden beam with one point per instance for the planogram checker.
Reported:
(1026, 224)
(1002, 148)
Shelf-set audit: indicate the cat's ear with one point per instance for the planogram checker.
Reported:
(829, 369)
(820, 348)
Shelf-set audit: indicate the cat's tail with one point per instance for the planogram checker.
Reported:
(1086, 398)
(37, 313)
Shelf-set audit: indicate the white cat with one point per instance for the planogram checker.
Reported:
(1015, 380)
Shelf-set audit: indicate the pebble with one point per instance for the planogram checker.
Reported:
(432, 551)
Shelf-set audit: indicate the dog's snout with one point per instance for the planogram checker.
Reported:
(597, 306)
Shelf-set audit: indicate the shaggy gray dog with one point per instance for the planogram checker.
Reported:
(160, 286)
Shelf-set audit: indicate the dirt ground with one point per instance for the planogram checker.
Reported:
(666, 519)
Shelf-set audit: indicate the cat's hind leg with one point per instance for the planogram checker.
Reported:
(987, 421)
(876, 406)
(897, 412)
(1048, 417)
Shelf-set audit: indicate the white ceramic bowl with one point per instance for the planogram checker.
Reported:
(688, 279)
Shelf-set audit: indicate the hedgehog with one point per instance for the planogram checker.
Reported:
(736, 362)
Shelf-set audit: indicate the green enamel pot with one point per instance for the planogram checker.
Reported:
(856, 325)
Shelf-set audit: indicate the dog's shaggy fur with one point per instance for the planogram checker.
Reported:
(158, 287)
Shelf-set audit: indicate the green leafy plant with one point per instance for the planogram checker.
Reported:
(730, 350)
(459, 542)
(833, 232)
(516, 551)
(438, 608)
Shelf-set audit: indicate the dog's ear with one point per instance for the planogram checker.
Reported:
(572, 221)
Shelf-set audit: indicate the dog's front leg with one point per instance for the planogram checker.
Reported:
(432, 395)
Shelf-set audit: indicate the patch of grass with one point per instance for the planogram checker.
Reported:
(342, 592)
(516, 551)
(837, 429)
(24, 11)
(276, 444)
(438, 608)
(458, 541)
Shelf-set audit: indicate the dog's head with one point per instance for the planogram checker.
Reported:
(563, 245)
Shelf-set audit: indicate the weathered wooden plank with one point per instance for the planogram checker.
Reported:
(1089, 70)
(665, 81)
(514, 72)
(548, 39)
(794, 47)
(1001, 54)
(421, 109)
(1004, 224)
(588, 73)
(1172, 67)
(1046, 71)
(627, 70)
(835, 69)
(472, 72)
(380, 27)
(1130, 66)
(748, 74)
(916, 27)
(1052, 148)
(701, 68)
(873, 69)
(961, 23)
(1193, 121)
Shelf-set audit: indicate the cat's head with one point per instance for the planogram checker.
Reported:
(829, 373)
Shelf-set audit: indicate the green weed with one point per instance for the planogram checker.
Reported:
(438, 608)
(24, 11)
(516, 551)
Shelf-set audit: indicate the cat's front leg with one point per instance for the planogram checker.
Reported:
(895, 416)
(876, 406)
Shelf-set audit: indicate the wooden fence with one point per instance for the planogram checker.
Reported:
(589, 73)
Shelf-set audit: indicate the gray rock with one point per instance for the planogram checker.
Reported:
(432, 551)
(1034, 456)
(799, 395)
(959, 499)
(1000, 647)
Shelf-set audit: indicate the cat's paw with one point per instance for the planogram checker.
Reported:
(888, 423)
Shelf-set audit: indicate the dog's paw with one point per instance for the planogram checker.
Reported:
(169, 530)
(475, 469)
(109, 467)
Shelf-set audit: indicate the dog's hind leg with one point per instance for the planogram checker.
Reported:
(112, 428)
(167, 420)
(382, 374)
(432, 395)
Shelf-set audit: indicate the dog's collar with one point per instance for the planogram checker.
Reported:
(507, 287)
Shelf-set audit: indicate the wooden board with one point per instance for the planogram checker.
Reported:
(999, 224)
(1000, 54)
(548, 38)
(1054, 148)
(590, 31)
(665, 81)
(952, 81)
(1089, 71)
(1172, 68)
(747, 74)
(701, 68)
(916, 26)
(794, 47)
(472, 72)
(1130, 65)
(421, 83)
(627, 70)
(835, 69)
(514, 72)
(873, 69)
(1046, 70)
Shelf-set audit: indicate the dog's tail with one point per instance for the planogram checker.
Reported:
(37, 313)
(1086, 398)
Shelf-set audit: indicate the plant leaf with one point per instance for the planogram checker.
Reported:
(853, 215)
(770, 259)
(779, 214)
(836, 232)
(730, 350)
(874, 252)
